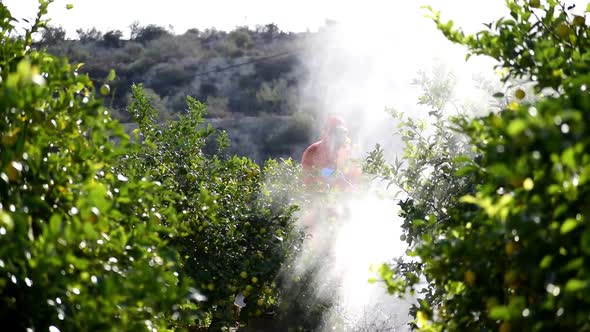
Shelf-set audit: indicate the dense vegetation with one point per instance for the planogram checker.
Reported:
(102, 232)
(236, 219)
(498, 231)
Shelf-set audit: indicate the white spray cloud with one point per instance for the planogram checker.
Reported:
(357, 68)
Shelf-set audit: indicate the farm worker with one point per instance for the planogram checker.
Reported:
(326, 163)
(327, 167)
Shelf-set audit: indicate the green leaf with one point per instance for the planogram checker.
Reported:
(574, 285)
(112, 75)
(385, 272)
(465, 170)
(69, 6)
(500, 312)
(89, 231)
(546, 262)
(468, 199)
(574, 264)
(568, 158)
(500, 170)
(462, 159)
(418, 222)
(55, 224)
(6, 220)
(568, 225)
(516, 127)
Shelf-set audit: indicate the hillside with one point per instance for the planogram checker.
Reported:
(248, 78)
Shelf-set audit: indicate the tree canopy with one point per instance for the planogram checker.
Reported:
(510, 250)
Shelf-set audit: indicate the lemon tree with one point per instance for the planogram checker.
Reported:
(235, 220)
(512, 253)
(82, 247)
(100, 231)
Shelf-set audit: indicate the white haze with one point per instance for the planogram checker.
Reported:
(293, 16)
(356, 71)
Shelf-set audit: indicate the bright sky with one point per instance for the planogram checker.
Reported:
(227, 14)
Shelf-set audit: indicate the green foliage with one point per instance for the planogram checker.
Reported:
(540, 41)
(236, 229)
(513, 254)
(424, 179)
(102, 233)
(82, 248)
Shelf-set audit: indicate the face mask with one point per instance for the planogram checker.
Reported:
(337, 138)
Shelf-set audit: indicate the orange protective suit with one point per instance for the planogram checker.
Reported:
(326, 163)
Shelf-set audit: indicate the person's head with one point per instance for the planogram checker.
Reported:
(337, 137)
(334, 134)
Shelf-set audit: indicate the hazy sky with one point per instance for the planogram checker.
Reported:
(226, 14)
